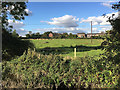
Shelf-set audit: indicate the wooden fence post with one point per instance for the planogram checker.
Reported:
(75, 52)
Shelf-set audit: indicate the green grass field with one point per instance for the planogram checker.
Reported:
(65, 47)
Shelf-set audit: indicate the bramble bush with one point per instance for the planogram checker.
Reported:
(33, 70)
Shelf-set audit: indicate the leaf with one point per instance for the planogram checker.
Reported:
(14, 21)
(69, 85)
(11, 26)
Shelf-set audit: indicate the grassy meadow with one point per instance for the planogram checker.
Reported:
(65, 47)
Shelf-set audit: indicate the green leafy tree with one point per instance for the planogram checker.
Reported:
(12, 46)
(30, 32)
(27, 35)
(16, 10)
(37, 35)
(64, 35)
(46, 34)
(111, 43)
(15, 34)
(72, 36)
(59, 36)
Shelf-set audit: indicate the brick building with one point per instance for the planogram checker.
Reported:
(50, 34)
(81, 35)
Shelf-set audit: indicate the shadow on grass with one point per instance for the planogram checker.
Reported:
(66, 50)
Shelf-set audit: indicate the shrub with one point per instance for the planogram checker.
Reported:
(13, 46)
(111, 43)
(33, 70)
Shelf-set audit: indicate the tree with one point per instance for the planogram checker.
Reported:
(38, 35)
(14, 34)
(72, 36)
(14, 9)
(27, 35)
(46, 34)
(111, 43)
(12, 46)
(30, 32)
(64, 35)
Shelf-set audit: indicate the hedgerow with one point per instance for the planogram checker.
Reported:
(33, 70)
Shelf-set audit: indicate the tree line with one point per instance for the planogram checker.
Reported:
(46, 35)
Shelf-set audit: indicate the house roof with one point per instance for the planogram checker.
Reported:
(80, 33)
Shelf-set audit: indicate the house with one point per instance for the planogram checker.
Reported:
(94, 34)
(50, 35)
(81, 35)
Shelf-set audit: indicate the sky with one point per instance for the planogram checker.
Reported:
(65, 17)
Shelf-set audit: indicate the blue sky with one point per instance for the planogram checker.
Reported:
(70, 17)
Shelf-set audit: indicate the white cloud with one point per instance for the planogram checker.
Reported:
(104, 28)
(64, 21)
(15, 24)
(94, 29)
(100, 20)
(21, 32)
(18, 26)
(107, 4)
(62, 30)
(28, 11)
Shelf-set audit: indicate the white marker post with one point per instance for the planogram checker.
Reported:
(74, 52)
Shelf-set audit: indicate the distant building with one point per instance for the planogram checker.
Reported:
(95, 34)
(50, 35)
(81, 35)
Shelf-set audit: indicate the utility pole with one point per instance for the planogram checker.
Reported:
(91, 31)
